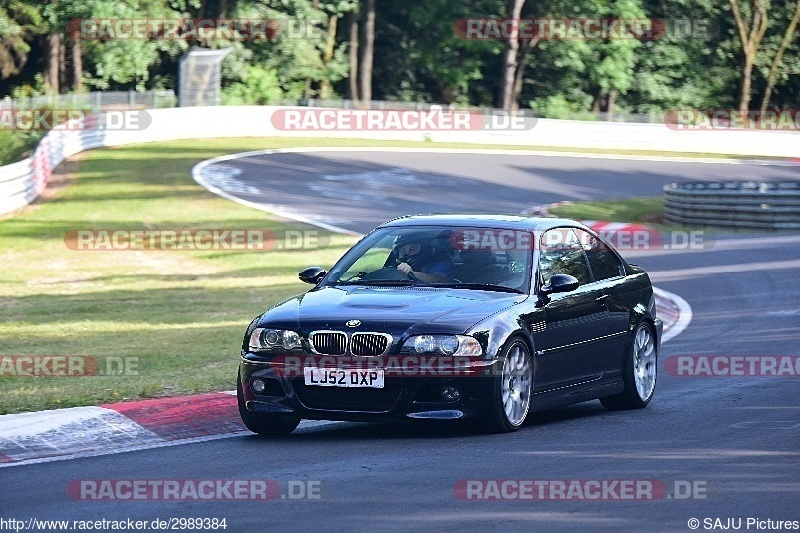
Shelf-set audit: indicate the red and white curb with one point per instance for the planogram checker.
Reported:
(29, 438)
(79, 431)
(610, 228)
(674, 311)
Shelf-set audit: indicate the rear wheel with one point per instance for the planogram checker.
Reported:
(264, 423)
(512, 390)
(639, 373)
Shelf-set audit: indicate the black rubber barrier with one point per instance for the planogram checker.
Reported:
(734, 204)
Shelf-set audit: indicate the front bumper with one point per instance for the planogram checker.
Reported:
(409, 392)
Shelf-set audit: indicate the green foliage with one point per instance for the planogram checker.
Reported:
(296, 55)
(125, 62)
(37, 87)
(17, 145)
(419, 57)
(258, 87)
(19, 23)
(557, 106)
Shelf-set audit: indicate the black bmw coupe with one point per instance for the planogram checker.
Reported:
(447, 317)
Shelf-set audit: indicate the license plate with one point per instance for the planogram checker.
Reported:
(337, 377)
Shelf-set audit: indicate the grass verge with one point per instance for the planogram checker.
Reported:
(174, 317)
(648, 210)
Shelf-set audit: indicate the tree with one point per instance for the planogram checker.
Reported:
(510, 59)
(613, 72)
(302, 57)
(751, 26)
(686, 67)
(777, 60)
(352, 52)
(413, 51)
(108, 62)
(367, 53)
(423, 56)
(19, 23)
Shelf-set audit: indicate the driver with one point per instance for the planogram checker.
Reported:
(417, 257)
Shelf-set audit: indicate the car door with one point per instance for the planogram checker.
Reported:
(609, 279)
(576, 321)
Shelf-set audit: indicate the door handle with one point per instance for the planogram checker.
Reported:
(602, 298)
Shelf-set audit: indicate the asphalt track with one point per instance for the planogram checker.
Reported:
(357, 190)
(733, 438)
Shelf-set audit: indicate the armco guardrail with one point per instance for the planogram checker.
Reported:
(747, 204)
(22, 182)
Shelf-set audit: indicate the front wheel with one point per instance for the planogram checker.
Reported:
(639, 373)
(264, 423)
(511, 391)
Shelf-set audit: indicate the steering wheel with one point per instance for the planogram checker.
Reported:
(388, 273)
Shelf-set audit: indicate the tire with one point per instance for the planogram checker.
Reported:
(639, 372)
(511, 392)
(264, 423)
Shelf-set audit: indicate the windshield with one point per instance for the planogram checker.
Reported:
(475, 257)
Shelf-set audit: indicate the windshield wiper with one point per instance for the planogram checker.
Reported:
(481, 286)
(377, 282)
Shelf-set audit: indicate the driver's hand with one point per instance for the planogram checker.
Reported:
(405, 268)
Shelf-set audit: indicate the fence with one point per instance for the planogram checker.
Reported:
(21, 183)
(101, 101)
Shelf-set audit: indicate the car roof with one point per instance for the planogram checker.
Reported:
(514, 222)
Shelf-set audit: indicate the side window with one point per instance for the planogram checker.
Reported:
(603, 261)
(561, 253)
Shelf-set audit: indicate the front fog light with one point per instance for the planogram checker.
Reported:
(257, 385)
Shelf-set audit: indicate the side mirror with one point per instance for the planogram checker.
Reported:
(312, 275)
(559, 283)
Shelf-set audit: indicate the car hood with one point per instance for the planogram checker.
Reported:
(395, 310)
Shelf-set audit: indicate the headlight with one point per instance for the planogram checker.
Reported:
(457, 345)
(267, 339)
